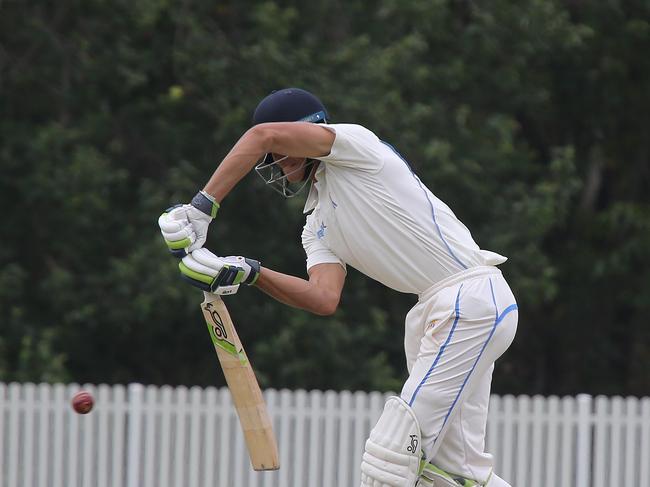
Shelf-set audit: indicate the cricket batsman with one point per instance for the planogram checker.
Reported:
(367, 208)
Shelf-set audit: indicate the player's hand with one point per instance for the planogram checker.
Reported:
(220, 275)
(200, 213)
(176, 230)
(185, 227)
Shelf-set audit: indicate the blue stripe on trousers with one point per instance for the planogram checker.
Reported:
(442, 349)
(497, 320)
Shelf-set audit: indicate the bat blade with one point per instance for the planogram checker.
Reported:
(244, 389)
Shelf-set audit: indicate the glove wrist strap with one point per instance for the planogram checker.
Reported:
(255, 271)
(206, 203)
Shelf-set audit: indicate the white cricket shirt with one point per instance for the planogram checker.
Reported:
(372, 212)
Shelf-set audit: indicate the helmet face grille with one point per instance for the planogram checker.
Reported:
(287, 105)
(290, 105)
(273, 176)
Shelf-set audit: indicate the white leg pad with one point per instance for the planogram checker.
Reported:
(392, 456)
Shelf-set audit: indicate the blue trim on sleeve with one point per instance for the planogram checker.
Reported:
(442, 348)
(433, 211)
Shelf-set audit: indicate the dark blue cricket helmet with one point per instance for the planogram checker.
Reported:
(287, 105)
(290, 105)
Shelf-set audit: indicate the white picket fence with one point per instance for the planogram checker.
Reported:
(141, 436)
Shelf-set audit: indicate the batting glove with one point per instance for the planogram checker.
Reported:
(176, 229)
(200, 213)
(185, 227)
(220, 275)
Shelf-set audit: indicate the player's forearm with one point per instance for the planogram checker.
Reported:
(297, 292)
(239, 161)
(292, 139)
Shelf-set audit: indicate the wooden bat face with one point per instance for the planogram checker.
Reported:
(244, 389)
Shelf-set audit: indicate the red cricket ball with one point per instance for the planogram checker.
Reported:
(82, 402)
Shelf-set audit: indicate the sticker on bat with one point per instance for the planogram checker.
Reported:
(219, 334)
(217, 327)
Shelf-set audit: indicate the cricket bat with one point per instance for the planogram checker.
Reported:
(244, 389)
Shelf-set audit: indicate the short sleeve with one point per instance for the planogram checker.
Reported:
(317, 252)
(355, 147)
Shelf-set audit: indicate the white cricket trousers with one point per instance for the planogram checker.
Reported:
(453, 335)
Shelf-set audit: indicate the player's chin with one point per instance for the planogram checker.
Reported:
(296, 177)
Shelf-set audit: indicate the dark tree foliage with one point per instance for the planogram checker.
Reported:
(531, 119)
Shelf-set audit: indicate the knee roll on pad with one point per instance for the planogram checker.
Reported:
(392, 456)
